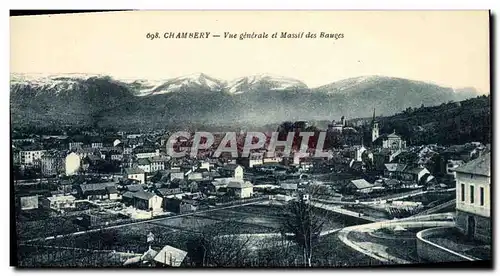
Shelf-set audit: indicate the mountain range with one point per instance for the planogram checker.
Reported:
(97, 100)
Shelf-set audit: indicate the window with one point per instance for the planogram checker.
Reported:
(481, 196)
(462, 192)
(471, 194)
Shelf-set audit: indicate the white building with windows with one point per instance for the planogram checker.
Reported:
(238, 173)
(233, 171)
(358, 151)
(240, 188)
(52, 164)
(151, 164)
(147, 154)
(255, 159)
(473, 182)
(75, 145)
(96, 145)
(135, 174)
(273, 159)
(28, 202)
(205, 165)
(58, 202)
(30, 157)
(394, 142)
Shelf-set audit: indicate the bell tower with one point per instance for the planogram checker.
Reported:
(375, 130)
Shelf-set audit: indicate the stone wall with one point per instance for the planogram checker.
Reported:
(430, 251)
(425, 221)
(482, 229)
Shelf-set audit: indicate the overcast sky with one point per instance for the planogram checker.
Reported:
(449, 48)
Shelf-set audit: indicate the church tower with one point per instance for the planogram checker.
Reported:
(375, 133)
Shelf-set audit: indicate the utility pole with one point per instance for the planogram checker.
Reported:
(150, 239)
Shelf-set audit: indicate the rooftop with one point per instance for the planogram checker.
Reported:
(31, 147)
(134, 188)
(393, 135)
(230, 167)
(111, 189)
(361, 183)
(170, 256)
(143, 161)
(415, 170)
(395, 167)
(133, 170)
(167, 191)
(480, 166)
(96, 186)
(239, 184)
(157, 159)
(143, 195)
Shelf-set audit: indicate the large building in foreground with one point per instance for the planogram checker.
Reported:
(473, 181)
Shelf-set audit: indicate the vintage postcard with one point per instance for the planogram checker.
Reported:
(251, 139)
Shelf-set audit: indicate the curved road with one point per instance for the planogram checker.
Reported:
(378, 251)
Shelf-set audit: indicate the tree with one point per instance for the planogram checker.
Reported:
(276, 252)
(197, 248)
(212, 246)
(302, 223)
(437, 165)
(157, 176)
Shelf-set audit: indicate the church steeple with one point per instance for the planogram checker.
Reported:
(373, 118)
(375, 130)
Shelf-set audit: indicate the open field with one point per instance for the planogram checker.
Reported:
(175, 231)
(40, 223)
(259, 222)
(250, 219)
(329, 252)
(34, 256)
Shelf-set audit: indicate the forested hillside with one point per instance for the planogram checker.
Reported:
(448, 123)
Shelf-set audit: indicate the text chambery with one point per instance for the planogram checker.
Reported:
(197, 35)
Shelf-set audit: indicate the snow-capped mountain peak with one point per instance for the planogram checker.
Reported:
(270, 81)
(197, 81)
(43, 79)
(53, 83)
(346, 84)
